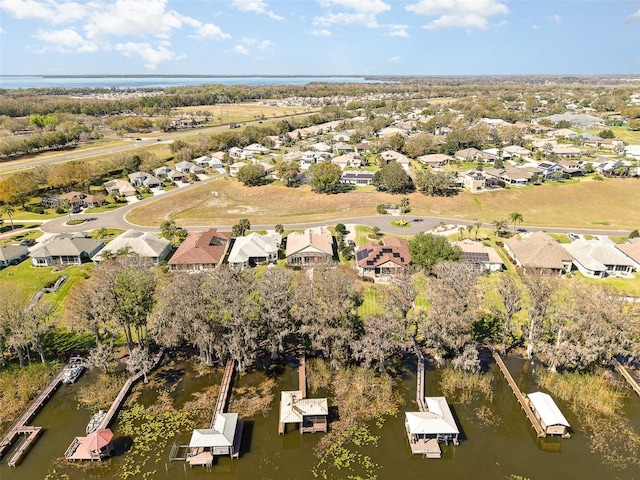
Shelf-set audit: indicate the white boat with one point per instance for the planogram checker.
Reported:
(93, 424)
(73, 370)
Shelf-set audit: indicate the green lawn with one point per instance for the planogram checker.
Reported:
(622, 285)
(370, 304)
(24, 235)
(31, 279)
(105, 208)
(560, 237)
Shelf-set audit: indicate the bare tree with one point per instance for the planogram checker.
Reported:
(447, 325)
(383, 337)
(541, 290)
(101, 356)
(140, 361)
(275, 299)
(511, 297)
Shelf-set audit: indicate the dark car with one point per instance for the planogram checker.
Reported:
(30, 242)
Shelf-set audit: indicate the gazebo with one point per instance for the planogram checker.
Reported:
(95, 446)
(309, 413)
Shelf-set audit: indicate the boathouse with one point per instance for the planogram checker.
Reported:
(548, 414)
(222, 439)
(427, 428)
(309, 413)
(96, 446)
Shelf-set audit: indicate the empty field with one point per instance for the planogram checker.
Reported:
(608, 204)
(244, 112)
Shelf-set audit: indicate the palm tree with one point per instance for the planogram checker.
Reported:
(404, 206)
(461, 230)
(515, 217)
(469, 229)
(8, 210)
(279, 228)
(477, 224)
(499, 226)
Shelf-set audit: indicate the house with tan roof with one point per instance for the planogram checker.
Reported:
(631, 248)
(201, 251)
(314, 246)
(539, 253)
(134, 242)
(120, 187)
(435, 159)
(391, 258)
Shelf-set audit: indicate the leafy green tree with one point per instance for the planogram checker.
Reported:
(607, 134)
(341, 229)
(252, 174)
(287, 170)
(434, 184)
(392, 178)
(428, 249)
(324, 177)
(634, 234)
(240, 228)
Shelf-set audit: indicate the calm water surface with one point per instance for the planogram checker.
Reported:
(486, 452)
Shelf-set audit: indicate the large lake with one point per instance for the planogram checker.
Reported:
(15, 82)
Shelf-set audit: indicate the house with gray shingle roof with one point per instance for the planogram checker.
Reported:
(65, 249)
(12, 255)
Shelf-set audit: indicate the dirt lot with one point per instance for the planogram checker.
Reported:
(586, 204)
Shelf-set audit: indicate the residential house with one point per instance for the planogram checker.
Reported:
(348, 160)
(151, 182)
(162, 172)
(549, 169)
(613, 167)
(176, 176)
(435, 160)
(201, 251)
(256, 149)
(342, 147)
(474, 155)
(518, 151)
(517, 177)
(598, 259)
(236, 152)
(120, 187)
(565, 151)
(572, 168)
(474, 180)
(403, 160)
(312, 247)
(188, 167)
(391, 258)
(12, 255)
(136, 178)
(76, 200)
(343, 136)
(562, 132)
(202, 161)
(254, 249)
(234, 168)
(393, 130)
(498, 153)
(310, 158)
(481, 255)
(358, 178)
(362, 147)
(321, 147)
(539, 253)
(631, 248)
(65, 249)
(133, 242)
(582, 121)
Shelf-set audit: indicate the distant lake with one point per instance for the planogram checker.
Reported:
(15, 82)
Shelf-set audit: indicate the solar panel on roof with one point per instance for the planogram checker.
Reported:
(476, 257)
(360, 254)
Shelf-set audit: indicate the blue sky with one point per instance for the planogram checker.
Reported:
(319, 37)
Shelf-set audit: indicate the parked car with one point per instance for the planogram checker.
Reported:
(573, 236)
(30, 242)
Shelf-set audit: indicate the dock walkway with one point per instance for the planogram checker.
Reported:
(124, 391)
(420, 394)
(20, 426)
(225, 388)
(627, 376)
(519, 395)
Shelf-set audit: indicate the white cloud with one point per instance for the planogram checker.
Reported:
(359, 12)
(209, 31)
(150, 55)
(65, 41)
(240, 49)
(323, 32)
(466, 14)
(256, 6)
(634, 18)
(395, 59)
(555, 18)
(396, 30)
(50, 11)
(535, 26)
(372, 7)
(265, 44)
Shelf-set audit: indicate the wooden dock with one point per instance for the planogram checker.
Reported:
(420, 393)
(124, 391)
(519, 395)
(20, 426)
(225, 388)
(302, 375)
(627, 376)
